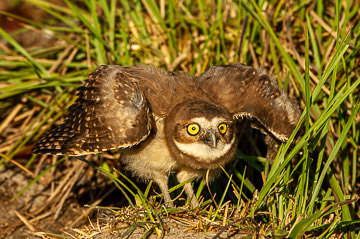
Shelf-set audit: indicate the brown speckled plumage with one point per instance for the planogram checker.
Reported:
(248, 92)
(148, 112)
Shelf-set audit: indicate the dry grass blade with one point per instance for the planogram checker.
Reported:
(309, 190)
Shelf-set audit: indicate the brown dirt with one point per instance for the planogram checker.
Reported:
(174, 229)
(26, 216)
(56, 205)
(53, 204)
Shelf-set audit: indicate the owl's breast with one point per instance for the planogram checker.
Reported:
(151, 156)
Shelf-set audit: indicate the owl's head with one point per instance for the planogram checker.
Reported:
(200, 134)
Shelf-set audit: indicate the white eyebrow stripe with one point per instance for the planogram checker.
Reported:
(205, 123)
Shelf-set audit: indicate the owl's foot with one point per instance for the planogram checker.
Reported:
(194, 202)
(162, 182)
(169, 204)
(182, 176)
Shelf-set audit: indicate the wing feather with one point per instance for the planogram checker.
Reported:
(248, 92)
(111, 112)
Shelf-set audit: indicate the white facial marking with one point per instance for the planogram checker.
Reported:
(206, 124)
(204, 152)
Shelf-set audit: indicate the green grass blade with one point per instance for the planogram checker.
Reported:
(39, 69)
(330, 160)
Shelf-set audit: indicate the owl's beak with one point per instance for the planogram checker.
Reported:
(211, 139)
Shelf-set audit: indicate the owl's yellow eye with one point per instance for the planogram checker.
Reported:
(193, 129)
(222, 128)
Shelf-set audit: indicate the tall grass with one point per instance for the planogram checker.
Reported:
(312, 187)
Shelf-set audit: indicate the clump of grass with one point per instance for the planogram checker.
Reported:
(311, 47)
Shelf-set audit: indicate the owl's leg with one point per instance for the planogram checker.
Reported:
(162, 181)
(182, 176)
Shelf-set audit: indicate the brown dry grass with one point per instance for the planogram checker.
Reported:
(36, 91)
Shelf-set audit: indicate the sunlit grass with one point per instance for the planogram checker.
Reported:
(312, 187)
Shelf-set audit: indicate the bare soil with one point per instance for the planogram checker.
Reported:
(30, 214)
(58, 205)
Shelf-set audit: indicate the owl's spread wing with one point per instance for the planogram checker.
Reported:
(111, 112)
(248, 92)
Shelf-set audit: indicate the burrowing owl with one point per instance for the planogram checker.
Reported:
(167, 122)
